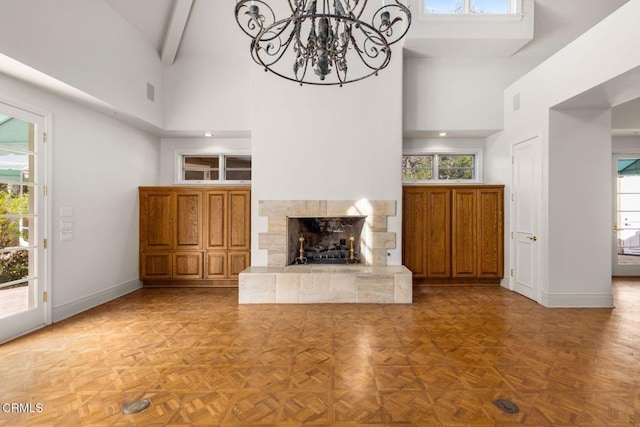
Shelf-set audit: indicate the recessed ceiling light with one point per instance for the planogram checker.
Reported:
(208, 134)
(442, 134)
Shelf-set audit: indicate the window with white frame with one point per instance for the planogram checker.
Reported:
(471, 7)
(448, 167)
(215, 168)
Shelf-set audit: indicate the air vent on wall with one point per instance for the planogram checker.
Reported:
(151, 92)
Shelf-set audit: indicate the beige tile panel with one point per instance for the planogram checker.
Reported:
(382, 240)
(276, 258)
(403, 288)
(272, 241)
(277, 224)
(257, 288)
(274, 207)
(377, 257)
(288, 288)
(377, 223)
(308, 208)
(375, 288)
(361, 207)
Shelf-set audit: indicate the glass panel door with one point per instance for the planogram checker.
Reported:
(22, 286)
(626, 215)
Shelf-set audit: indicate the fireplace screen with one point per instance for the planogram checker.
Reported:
(324, 240)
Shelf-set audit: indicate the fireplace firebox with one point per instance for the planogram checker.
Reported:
(324, 240)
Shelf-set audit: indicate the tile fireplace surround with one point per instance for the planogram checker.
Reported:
(370, 282)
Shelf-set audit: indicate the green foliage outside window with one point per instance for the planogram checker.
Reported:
(14, 265)
(432, 167)
(417, 168)
(455, 167)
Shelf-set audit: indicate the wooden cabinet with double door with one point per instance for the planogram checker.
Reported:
(195, 236)
(228, 243)
(454, 234)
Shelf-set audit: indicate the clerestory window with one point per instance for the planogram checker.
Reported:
(471, 7)
(214, 168)
(433, 167)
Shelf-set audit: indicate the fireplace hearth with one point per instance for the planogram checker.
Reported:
(336, 222)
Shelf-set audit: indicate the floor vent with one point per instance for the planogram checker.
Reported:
(137, 406)
(507, 406)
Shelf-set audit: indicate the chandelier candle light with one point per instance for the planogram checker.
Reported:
(330, 37)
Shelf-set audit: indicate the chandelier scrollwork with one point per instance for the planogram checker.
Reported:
(323, 42)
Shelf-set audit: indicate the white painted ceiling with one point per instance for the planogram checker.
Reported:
(149, 17)
(557, 23)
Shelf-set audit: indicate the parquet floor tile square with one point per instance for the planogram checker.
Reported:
(353, 377)
(204, 409)
(202, 359)
(223, 378)
(317, 377)
(412, 407)
(252, 407)
(268, 378)
(396, 378)
(304, 408)
(357, 406)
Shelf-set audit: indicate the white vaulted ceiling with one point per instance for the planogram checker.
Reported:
(557, 23)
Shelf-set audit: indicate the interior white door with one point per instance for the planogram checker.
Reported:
(626, 214)
(23, 264)
(525, 206)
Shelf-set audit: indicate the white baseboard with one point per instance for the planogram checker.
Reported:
(577, 300)
(83, 304)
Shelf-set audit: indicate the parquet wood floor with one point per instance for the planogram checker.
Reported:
(204, 360)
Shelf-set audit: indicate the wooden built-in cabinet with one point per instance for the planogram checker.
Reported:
(454, 234)
(194, 236)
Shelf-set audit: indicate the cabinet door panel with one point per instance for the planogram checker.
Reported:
(216, 265)
(239, 220)
(438, 240)
(413, 231)
(188, 220)
(217, 219)
(238, 261)
(156, 265)
(188, 265)
(490, 233)
(464, 243)
(155, 221)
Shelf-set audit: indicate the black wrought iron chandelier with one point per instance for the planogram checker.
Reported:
(323, 42)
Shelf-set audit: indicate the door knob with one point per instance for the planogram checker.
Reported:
(532, 238)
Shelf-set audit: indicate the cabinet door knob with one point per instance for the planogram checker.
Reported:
(532, 238)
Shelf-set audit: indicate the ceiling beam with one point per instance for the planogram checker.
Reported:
(175, 30)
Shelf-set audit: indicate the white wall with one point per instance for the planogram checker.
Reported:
(627, 115)
(327, 143)
(169, 147)
(579, 208)
(626, 144)
(602, 58)
(458, 93)
(89, 47)
(97, 165)
(209, 85)
(436, 144)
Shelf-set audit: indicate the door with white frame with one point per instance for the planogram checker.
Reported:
(525, 214)
(23, 224)
(626, 215)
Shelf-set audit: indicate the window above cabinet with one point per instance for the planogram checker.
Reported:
(204, 168)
